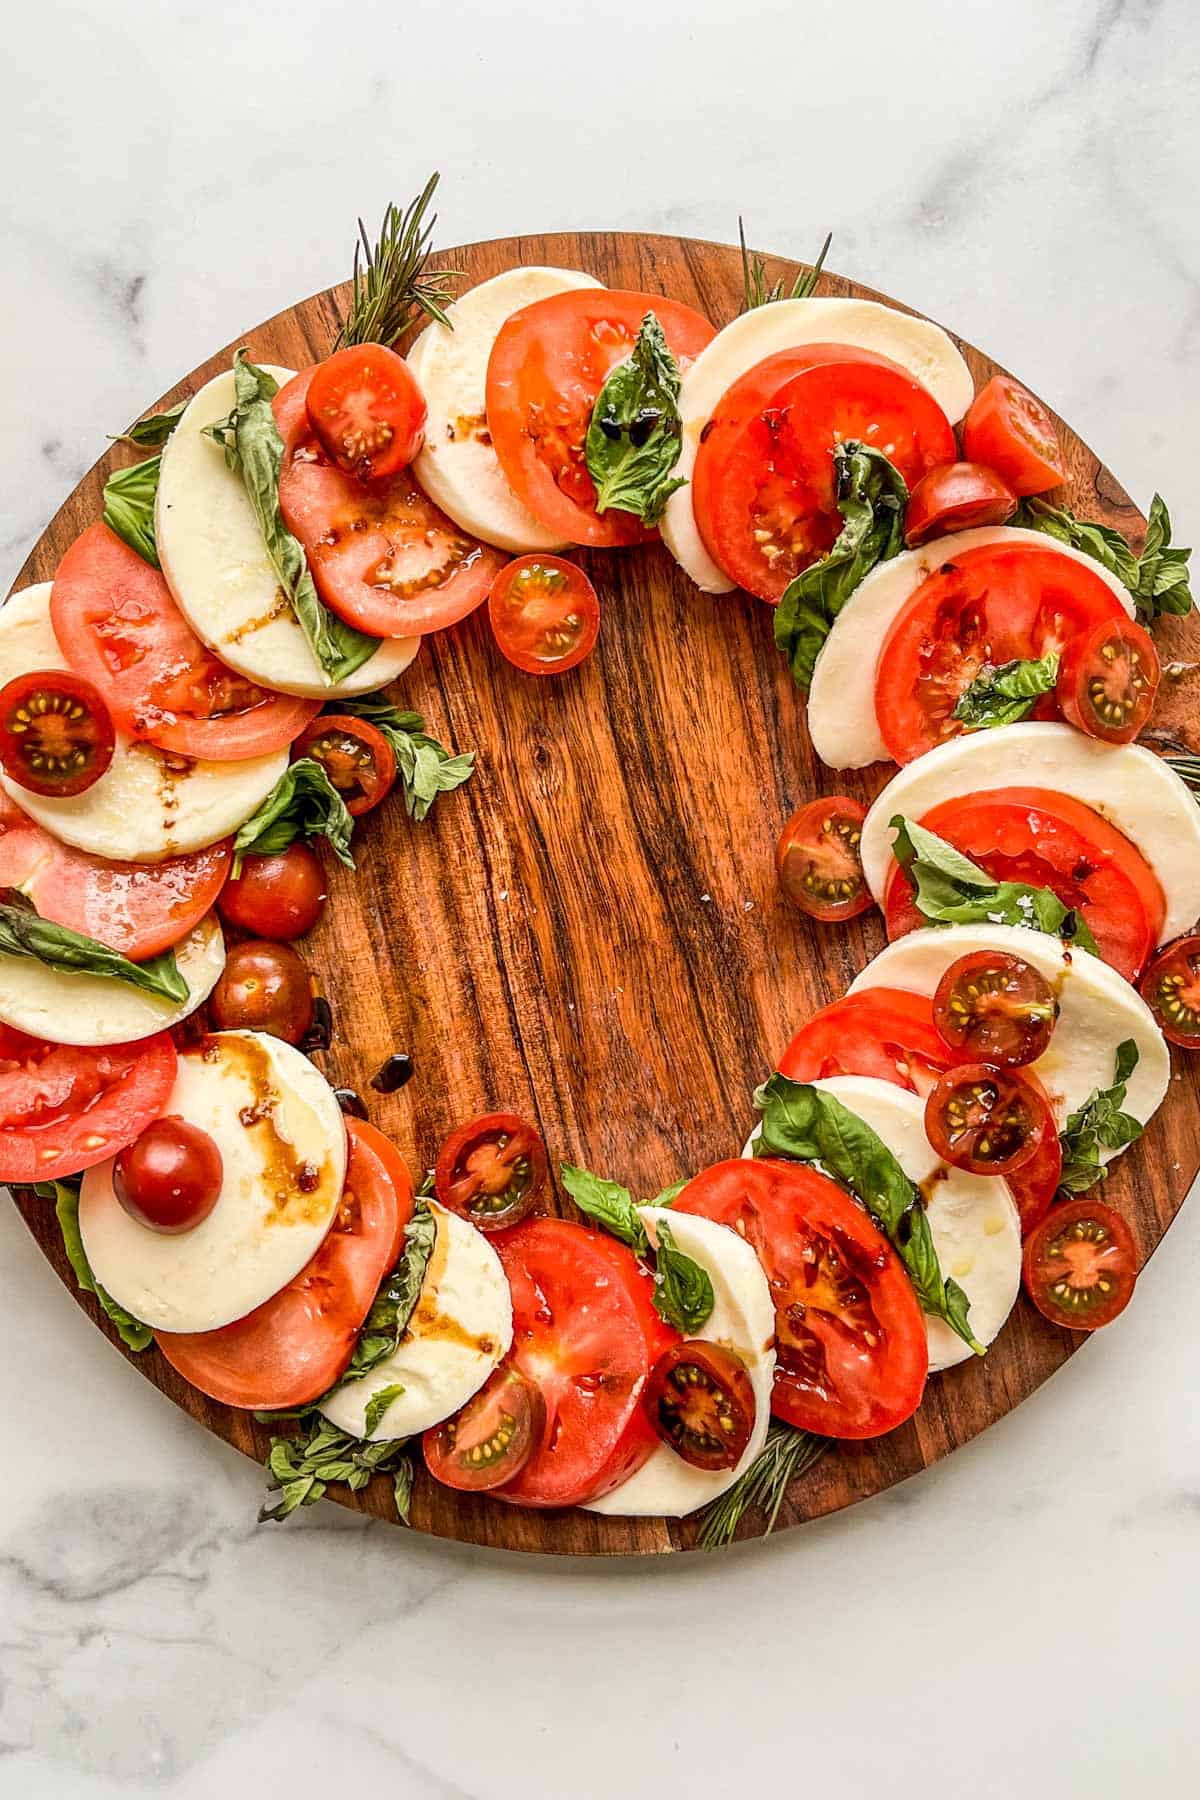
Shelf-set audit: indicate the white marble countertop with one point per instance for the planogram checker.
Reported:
(1023, 1617)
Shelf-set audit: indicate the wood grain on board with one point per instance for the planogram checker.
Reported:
(590, 933)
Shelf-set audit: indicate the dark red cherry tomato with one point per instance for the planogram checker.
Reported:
(990, 1007)
(263, 987)
(1080, 1265)
(986, 1120)
(364, 404)
(355, 755)
(56, 733)
(700, 1401)
(169, 1178)
(956, 497)
(545, 614)
(1171, 989)
(492, 1438)
(280, 896)
(491, 1170)
(1108, 680)
(818, 859)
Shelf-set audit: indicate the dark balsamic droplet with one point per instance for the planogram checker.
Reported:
(395, 1073)
(320, 1033)
(350, 1102)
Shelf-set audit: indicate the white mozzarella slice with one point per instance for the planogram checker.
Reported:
(1128, 785)
(282, 1139)
(92, 1009)
(217, 567)
(147, 805)
(841, 703)
(458, 468)
(460, 1329)
(742, 1320)
(973, 1220)
(1098, 1009)
(919, 346)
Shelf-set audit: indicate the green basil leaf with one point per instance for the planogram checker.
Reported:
(608, 1203)
(378, 1404)
(1158, 579)
(1100, 1123)
(133, 1334)
(402, 1487)
(153, 432)
(683, 1290)
(871, 497)
(393, 1305)
(301, 1468)
(23, 932)
(303, 804)
(669, 1195)
(635, 433)
(425, 767)
(949, 889)
(1001, 696)
(129, 496)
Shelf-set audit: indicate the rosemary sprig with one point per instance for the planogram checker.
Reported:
(754, 277)
(391, 283)
(786, 1454)
(1188, 770)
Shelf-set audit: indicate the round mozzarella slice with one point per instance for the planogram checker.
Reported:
(972, 1218)
(460, 1328)
(282, 1140)
(1128, 785)
(217, 567)
(742, 1320)
(147, 805)
(93, 1009)
(841, 703)
(1098, 1010)
(458, 468)
(919, 346)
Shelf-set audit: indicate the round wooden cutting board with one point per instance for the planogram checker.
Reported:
(590, 933)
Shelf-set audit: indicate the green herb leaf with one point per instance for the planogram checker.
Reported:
(1099, 1124)
(393, 1305)
(1002, 695)
(949, 889)
(608, 1203)
(378, 1404)
(683, 1291)
(254, 450)
(871, 497)
(391, 284)
(635, 434)
(23, 932)
(129, 496)
(806, 1124)
(669, 1195)
(1158, 579)
(425, 767)
(152, 433)
(303, 804)
(301, 1468)
(133, 1334)
(763, 1488)
(755, 290)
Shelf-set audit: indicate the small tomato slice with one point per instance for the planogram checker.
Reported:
(355, 755)
(986, 1120)
(884, 1032)
(489, 1442)
(56, 733)
(1171, 989)
(991, 1007)
(700, 1401)
(818, 859)
(1108, 680)
(1010, 431)
(64, 1107)
(1080, 1265)
(364, 404)
(956, 497)
(545, 614)
(491, 1170)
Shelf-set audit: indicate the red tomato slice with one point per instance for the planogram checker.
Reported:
(1034, 1185)
(818, 862)
(64, 1107)
(586, 1332)
(117, 624)
(296, 1344)
(1010, 430)
(1171, 989)
(1108, 681)
(884, 1032)
(763, 488)
(136, 908)
(545, 614)
(1050, 840)
(547, 367)
(366, 408)
(384, 557)
(851, 1345)
(1080, 1265)
(56, 733)
(957, 497)
(992, 605)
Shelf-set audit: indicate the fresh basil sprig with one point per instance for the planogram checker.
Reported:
(425, 767)
(949, 889)
(133, 1334)
(129, 496)
(303, 804)
(787, 1453)
(1100, 1123)
(607, 1203)
(806, 1124)
(755, 289)
(683, 1291)
(635, 434)
(153, 432)
(254, 450)
(1158, 579)
(301, 1468)
(1006, 693)
(378, 1404)
(871, 497)
(393, 1305)
(23, 932)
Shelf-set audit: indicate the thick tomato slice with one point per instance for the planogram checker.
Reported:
(383, 557)
(956, 497)
(1080, 1265)
(1050, 840)
(117, 624)
(136, 908)
(296, 1344)
(65, 1107)
(851, 1345)
(585, 1331)
(545, 614)
(367, 411)
(56, 733)
(994, 604)
(547, 367)
(818, 859)
(1010, 430)
(884, 1032)
(1108, 681)
(763, 485)
(1034, 1185)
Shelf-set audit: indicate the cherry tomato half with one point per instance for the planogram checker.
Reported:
(818, 860)
(491, 1170)
(169, 1178)
(355, 755)
(700, 1401)
(990, 1007)
(545, 614)
(1080, 1265)
(492, 1438)
(986, 1120)
(263, 987)
(1171, 989)
(1108, 679)
(364, 404)
(956, 497)
(56, 733)
(280, 896)
(1010, 430)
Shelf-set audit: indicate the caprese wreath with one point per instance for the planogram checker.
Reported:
(203, 692)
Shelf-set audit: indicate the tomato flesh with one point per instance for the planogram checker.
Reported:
(1171, 989)
(491, 1170)
(987, 1120)
(169, 1178)
(367, 411)
(1080, 1265)
(1108, 681)
(64, 1107)
(278, 896)
(263, 987)
(355, 755)
(56, 733)
(883, 1032)
(994, 1008)
(958, 496)
(700, 1401)
(489, 1442)
(818, 859)
(1009, 430)
(545, 614)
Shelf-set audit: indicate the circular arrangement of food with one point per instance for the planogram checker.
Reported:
(207, 701)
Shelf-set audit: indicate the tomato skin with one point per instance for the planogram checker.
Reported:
(1009, 430)
(491, 1171)
(957, 496)
(851, 1345)
(263, 987)
(296, 1344)
(355, 755)
(987, 1120)
(1080, 1265)
(277, 897)
(990, 1007)
(64, 1108)
(1108, 681)
(887, 1033)
(491, 1439)
(1035, 1184)
(818, 861)
(56, 733)
(364, 404)
(704, 1379)
(545, 614)
(1171, 989)
(169, 1178)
